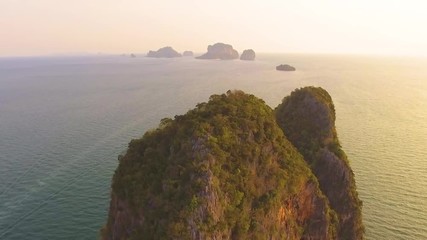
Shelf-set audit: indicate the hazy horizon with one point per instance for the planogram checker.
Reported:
(48, 27)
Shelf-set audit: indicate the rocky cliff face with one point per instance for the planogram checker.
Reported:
(166, 52)
(220, 51)
(307, 118)
(226, 170)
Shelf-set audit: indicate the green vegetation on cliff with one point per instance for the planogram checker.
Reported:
(223, 170)
(233, 168)
(307, 118)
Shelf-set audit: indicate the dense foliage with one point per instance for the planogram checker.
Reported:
(224, 169)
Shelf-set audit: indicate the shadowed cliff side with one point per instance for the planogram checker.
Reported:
(307, 118)
(224, 170)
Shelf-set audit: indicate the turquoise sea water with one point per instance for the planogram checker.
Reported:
(63, 121)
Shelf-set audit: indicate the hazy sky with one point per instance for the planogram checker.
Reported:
(41, 27)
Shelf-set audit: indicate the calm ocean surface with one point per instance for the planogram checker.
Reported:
(63, 121)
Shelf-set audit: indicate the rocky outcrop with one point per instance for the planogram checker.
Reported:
(187, 54)
(220, 51)
(285, 67)
(166, 52)
(224, 170)
(248, 55)
(307, 118)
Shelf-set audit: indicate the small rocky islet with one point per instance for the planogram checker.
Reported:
(187, 53)
(285, 67)
(165, 52)
(220, 51)
(248, 55)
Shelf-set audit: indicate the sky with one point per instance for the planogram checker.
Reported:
(379, 27)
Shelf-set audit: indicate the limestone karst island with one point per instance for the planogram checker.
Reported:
(165, 52)
(234, 168)
(220, 51)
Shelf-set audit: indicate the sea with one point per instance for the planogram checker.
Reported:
(64, 121)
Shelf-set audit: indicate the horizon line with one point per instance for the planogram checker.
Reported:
(87, 54)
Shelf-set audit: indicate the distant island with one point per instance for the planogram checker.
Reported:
(187, 54)
(165, 52)
(285, 67)
(248, 55)
(233, 168)
(220, 51)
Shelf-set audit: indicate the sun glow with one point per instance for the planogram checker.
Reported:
(35, 27)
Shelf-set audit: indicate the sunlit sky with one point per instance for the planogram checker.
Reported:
(45, 27)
